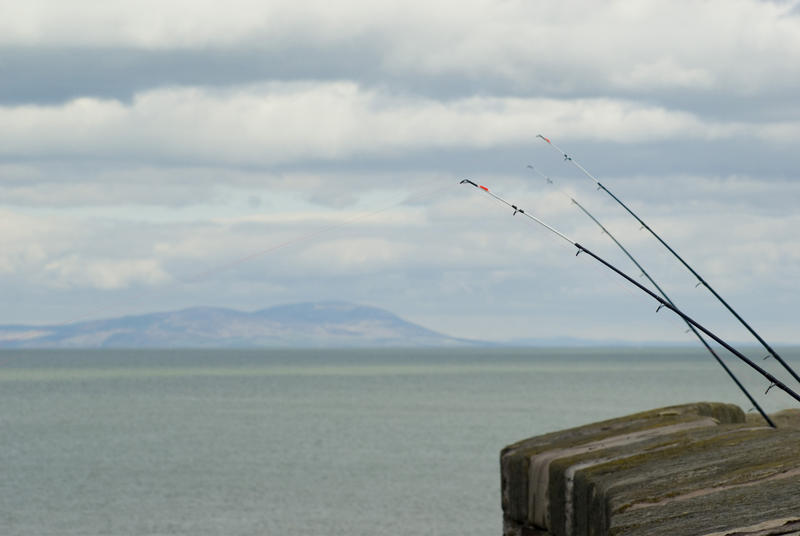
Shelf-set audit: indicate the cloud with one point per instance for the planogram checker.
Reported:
(205, 154)
(103, 274)
(71, 184)
(356, 255)
(515, 47)
(26, 242)
(664, 73)
(145, 24)
(282, 123)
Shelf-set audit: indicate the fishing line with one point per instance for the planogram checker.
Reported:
(663, 294)
(663, 303)
(700, 280)
(209, 273)
(201, 276)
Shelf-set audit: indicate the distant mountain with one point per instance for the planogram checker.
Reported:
(309, 325)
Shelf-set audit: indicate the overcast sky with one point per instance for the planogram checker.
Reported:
(158, 155)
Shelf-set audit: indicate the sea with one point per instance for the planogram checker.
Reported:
(308, 442)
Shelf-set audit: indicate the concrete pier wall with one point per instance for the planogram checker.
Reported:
(696, 469)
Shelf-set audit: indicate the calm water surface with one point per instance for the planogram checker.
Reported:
(343, 442)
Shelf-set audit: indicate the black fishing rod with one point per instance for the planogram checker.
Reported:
(700, 280)
(661, 291)
(774, 382)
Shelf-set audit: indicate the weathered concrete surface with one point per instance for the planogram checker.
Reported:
(694, 469)
(782, 419)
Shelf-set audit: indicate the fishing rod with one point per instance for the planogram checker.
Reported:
(774, 382)
(700, 280)
(663, 294)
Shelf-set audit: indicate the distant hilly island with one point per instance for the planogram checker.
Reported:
(299, 325)
(308, 325)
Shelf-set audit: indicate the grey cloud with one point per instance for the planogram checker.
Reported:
(52, 75)
(158, 211)
(341, 184)
(518, 48)
(81, 183)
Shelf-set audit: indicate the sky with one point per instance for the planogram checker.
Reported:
(163, 155)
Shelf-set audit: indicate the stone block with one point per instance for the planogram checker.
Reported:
(698, 468)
